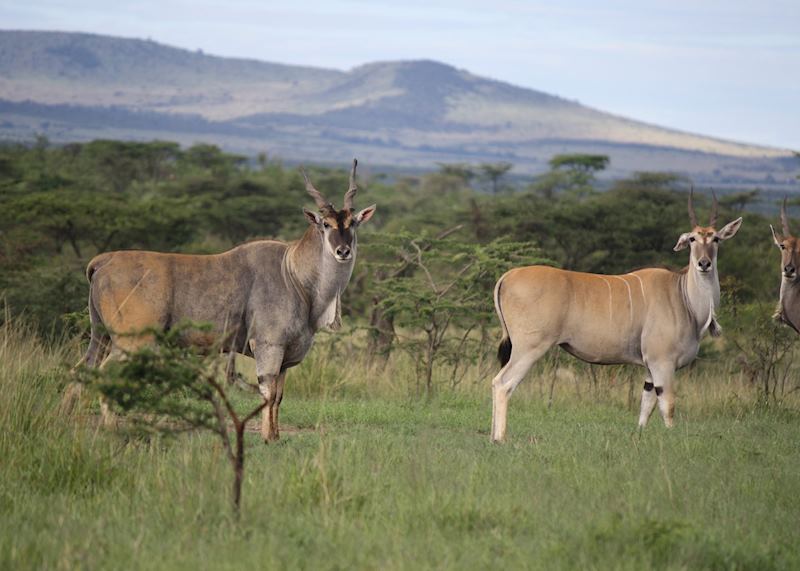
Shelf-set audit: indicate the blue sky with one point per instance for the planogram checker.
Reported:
(730, 69)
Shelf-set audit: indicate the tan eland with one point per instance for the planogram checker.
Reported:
(652, 317)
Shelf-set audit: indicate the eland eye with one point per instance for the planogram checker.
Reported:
(691, 238)
(716, 238)
(326, 225)
(782, 247)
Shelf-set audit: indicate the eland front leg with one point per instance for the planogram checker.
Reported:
(269, 359)
(276, 405)
(662, 375)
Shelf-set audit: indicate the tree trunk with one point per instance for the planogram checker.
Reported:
(381, 334)
(429, 365)
(238, 470)
(73, 239)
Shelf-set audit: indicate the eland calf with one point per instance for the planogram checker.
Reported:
(788, 310)
(265, 299)
(652, 317)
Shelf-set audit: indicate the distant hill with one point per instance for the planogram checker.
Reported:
(73, 86)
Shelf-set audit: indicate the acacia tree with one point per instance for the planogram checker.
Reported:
(738, 201)
(443, 288)
(382, 332)
(582, 163)
(170, 388)
(572, 173)
(459, 170)
(493, 172)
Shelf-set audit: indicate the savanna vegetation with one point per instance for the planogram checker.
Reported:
(386, 460)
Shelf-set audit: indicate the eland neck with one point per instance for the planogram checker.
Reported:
(789, 299)
(318, 277)
(701, 295)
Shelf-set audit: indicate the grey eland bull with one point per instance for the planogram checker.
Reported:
(788, 310)
(651, 317)
(266, 298)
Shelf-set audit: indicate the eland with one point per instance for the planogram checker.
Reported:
(264, 299)
(788, 311)
(651, 317)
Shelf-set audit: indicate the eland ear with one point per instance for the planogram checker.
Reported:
(730, 229)
(776, 237)
(312, 217)
(366, 214)
(683, 242)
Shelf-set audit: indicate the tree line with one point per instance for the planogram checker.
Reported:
(426, 268)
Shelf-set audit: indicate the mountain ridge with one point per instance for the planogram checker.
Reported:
(417, 111)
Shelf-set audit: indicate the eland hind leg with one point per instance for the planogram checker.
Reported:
(275, 408)
(120, 348)
(510, 376)
(108, 418)
(98, 347)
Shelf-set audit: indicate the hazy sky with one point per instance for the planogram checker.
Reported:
(725, 68)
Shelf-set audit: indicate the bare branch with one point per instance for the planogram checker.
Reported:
(455, 281)
(407, 260)
(254, 412)
(223, 432)
(224, 397)
(445, 233)
(424, 268)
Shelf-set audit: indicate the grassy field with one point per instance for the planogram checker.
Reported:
(367, 476)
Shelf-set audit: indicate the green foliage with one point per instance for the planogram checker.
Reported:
(442, 288)
(493, 174)
(61, 205)
(766, 353)
(572, 175)
(580, 162)
(43, 294)
(649, 181)
(167, 379)
(738, 201)
(169, 387)
(460, 170)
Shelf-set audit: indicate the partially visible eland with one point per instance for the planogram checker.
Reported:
(264, 299)
(788, 310)
(652, 317)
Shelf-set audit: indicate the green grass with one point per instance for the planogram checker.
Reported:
(375, 478)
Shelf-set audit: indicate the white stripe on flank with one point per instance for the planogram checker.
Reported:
(141, 279)
(610, 300)
(641, 283)
(630, 297)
